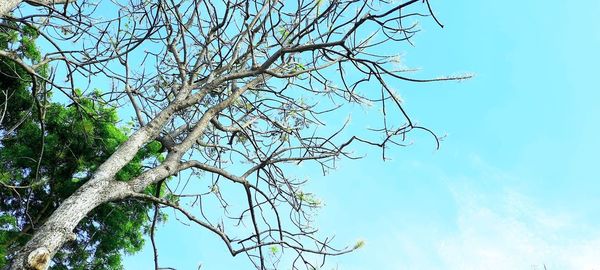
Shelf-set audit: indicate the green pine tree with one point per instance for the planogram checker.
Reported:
(76, 139)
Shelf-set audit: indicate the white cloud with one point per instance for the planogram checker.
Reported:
(514, 233)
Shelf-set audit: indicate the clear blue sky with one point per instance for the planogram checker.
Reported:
(514, 185)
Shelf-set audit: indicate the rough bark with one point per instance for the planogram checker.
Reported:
(48, 239)
(7, 6)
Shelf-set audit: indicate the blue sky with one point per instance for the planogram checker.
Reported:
(514, 185)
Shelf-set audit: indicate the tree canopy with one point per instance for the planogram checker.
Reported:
(227, 95)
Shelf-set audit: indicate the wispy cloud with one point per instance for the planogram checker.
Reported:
(509, 231)
(497, 226)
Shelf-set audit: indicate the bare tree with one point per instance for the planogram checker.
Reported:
(235, 92)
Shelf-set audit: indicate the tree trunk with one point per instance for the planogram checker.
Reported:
(58, 229)
(101, 188)
(7, 6)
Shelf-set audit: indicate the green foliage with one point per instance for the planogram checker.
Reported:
(284, 33)
(8, 223)
(29, 49)
(20, 42)
(309, 199)
(76, 139)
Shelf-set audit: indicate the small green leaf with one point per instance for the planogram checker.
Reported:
(359, 244)
(300, 66)
(284, 33)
